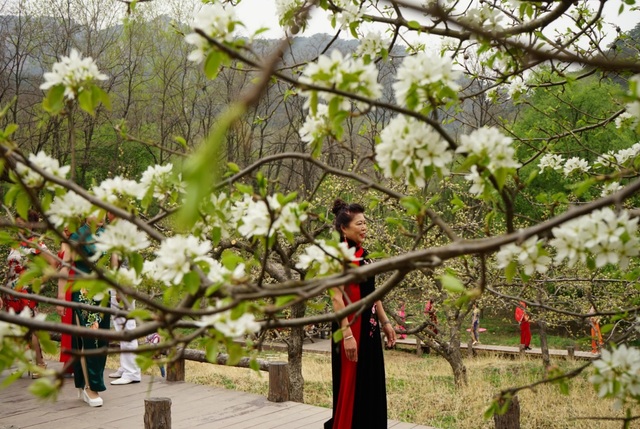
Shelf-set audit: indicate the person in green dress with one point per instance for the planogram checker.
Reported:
(88, 370)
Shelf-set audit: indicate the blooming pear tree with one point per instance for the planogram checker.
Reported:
(221, 249)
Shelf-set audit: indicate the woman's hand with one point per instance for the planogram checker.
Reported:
(350, 348)
(389, 334)
(60, 310)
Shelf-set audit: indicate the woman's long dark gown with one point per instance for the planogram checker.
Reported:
(359, 392)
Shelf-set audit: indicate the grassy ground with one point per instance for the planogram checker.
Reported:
(421, 390)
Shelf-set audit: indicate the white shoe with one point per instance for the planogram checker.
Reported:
(93, 402)
(116, 374)
(122, 381)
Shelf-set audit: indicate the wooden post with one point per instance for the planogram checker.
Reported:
(278, 382)
(571, 352)
(510, 419)
(418, 347)
(470, 349)
(175, 370)
(157, 413)
(522, 351)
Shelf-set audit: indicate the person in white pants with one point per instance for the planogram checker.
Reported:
(129, 372)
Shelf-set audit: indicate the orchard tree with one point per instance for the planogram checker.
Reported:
(217, 245)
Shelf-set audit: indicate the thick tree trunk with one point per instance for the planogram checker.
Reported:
(510, 419)
(544, 346)
(294, 350)
(453, 356)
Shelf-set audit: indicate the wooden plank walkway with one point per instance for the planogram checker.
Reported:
(193, 406)
(508, 350)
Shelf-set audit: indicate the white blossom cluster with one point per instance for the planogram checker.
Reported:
(350, 12)
(493, 151)
(224, 323)
(530, 254)
(412, 149)
(12, 330)
(174, 258)
(633, 108)
(158, 179)
(424, 78)
(74, 73)
(617, 374)
(608, 237)
(575, 164)
(484, 16)
(215, 21)
(371, 46)
(121, 237)
(326, 259)
(220, 219)
(551, 161)
(623, 119)
(256, 219)
(316, 125)
(69, 207)
(616, 159)
(43, 161)
(117, 189)
(345, 74)
(517, 88)
(286, 11)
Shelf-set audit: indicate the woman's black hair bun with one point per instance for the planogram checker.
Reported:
(338, 206)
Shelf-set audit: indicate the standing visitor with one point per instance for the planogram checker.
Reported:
(596, 335)
(18, 262)
(66, 315)
(402, 314)
(129, 371)
(475, 324)
(430, 313)
(88, 370)
(359, 393)
(522, 318)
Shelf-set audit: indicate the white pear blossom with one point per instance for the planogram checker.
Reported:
(484, 16)
(608, 237)
(122, 237)
(159, 178)
(8, 329)
(529, 254)
(266, 218)
(217, 272)
(256, 220)
(552, 161)
(623, 119)
(610, 188)
(286, 10)
(69, 207)
(575, 164)
(74, 73)
(327, 258)
(175, 256)
(422, 77)
(44, 162)
(345, 74)
(316, 126)
(412, 149)
(349, 13)
(127, 277)
(371, 46)
(617, 375)
(215, 21)
(229, 327)
(517, 87)
(118, 190)
(493, 148)
(478, 183)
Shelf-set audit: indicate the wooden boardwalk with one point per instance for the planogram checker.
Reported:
(193, 406)
(508, 350)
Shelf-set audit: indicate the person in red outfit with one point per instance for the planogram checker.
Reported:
(359, 393)
(66, 315)
(525, 328)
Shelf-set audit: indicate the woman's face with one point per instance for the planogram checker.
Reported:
(357, 229)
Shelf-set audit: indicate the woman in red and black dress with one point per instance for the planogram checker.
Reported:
(359, 392)
(66, 315)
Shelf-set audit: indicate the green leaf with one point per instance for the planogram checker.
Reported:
(233, 167)
(54, 101)
(181, 141)
(99, 95)
(211, 351)
(414, 25)
(212, 64)
(85, 101)
(192, 282)
(44, 387)
(140, 313)
(47, 345)
(412, 204)
(452, 284)
(10, 129)
(284, 300)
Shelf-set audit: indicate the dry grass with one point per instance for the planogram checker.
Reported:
(421, 390)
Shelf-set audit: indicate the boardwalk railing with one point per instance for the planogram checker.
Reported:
(278, 371)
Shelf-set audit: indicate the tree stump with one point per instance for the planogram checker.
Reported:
(418, 347)
(175, 370)
(157, 413)
(510, 419)
(278, 382)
